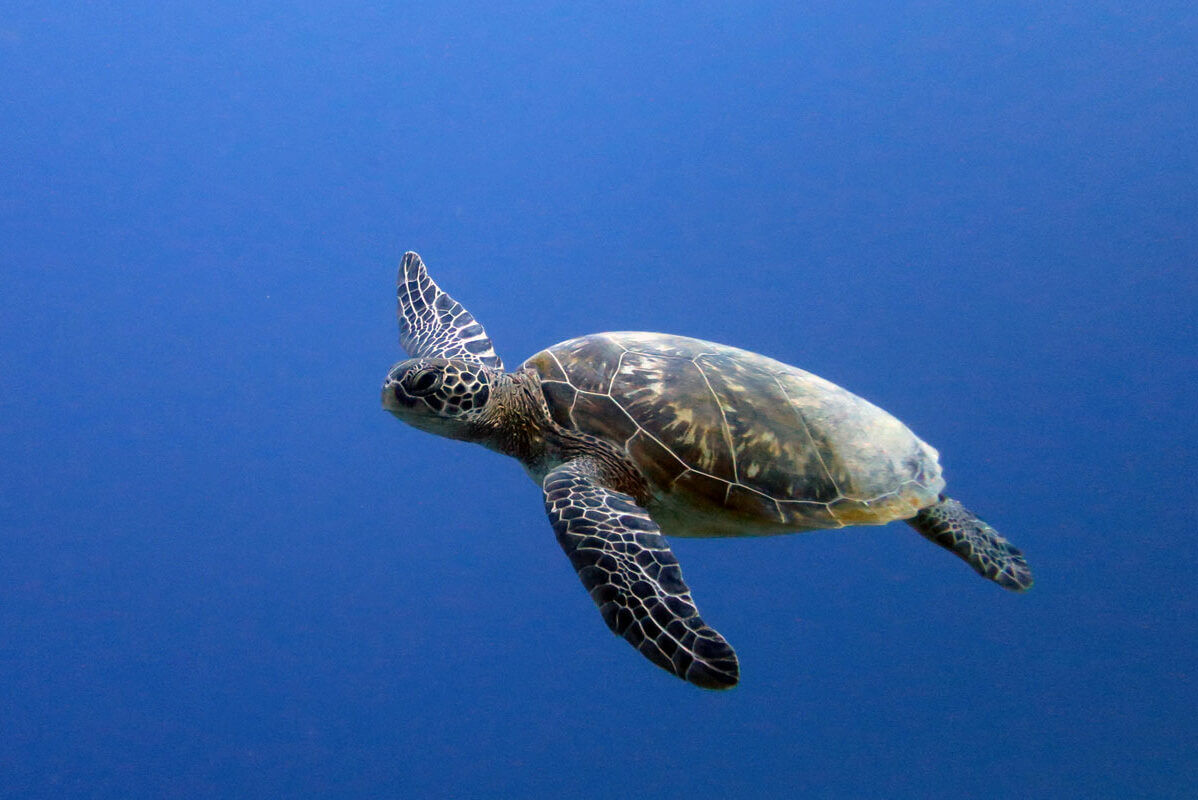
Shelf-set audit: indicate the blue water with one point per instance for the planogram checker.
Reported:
(226, 572)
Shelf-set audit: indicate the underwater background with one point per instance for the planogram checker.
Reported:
(226, 572)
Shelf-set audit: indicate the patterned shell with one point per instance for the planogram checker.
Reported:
(734, 443)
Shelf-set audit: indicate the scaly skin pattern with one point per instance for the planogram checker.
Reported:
(433, 324)
(956, 528)
(627, 566)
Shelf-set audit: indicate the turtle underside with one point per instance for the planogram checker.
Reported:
(734, 443)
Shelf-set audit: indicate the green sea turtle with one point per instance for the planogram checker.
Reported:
(633, 436)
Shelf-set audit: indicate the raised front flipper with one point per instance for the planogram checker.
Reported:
(626, 565)
(956, 528)
(434, 325)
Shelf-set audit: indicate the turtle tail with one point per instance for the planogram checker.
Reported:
(956, 528)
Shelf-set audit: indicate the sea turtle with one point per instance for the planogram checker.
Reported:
(633, 436)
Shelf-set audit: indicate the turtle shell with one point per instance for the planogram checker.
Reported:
(734, 443)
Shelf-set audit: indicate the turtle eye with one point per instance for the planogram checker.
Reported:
(422, 382)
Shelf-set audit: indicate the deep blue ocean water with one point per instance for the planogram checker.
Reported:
(225, 572)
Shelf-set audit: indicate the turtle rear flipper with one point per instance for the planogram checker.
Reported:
(956, 528)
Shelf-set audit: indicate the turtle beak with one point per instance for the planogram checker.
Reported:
(389, 401)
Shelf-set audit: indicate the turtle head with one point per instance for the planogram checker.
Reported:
(444, 396)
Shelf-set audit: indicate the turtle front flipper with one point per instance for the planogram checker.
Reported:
(434, 325)
(626, 565)
(956, 528)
